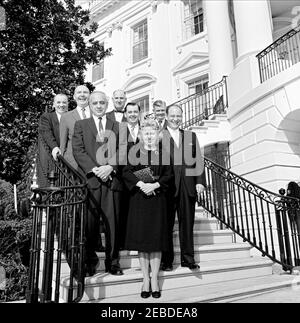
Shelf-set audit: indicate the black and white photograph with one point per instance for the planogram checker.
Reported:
(149, 154)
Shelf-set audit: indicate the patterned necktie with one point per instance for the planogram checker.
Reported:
(132, 132)
(101, 130)
(83, 113)
(160, 125)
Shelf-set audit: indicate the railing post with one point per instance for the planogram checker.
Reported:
(46, 295)
(283, 234)
(226, 91)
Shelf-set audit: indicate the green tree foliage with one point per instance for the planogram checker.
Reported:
(43, 51)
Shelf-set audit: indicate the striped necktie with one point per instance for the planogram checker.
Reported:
(83, 113)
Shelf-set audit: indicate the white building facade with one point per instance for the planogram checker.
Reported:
(170, 49)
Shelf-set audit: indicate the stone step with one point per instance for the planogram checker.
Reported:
(129, 259)
(210, 123)
(103, 285)
(202, 224)
(220, 292)
(208, 237)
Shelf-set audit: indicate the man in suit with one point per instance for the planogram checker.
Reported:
(159, 110)
(189, 181)
(95, 143)
(119, 101)
(49, 135)
(82, 111)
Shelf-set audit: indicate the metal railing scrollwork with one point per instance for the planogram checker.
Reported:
(279, 56)
(200, 106)
(58, 239)
(260, 217)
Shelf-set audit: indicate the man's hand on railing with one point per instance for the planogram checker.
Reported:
(55, 152)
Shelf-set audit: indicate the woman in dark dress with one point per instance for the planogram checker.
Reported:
(148, 177)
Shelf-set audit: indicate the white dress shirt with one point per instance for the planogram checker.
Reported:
(96, 119)
(58, 116)
(133, 131)
(87, 112)
(175, 134)
(118, 116)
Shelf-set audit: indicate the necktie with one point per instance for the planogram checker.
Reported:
(101, 130)
(132, 132)
(160, 125)
(83, 113)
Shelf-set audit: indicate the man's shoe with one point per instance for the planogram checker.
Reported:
(115, 271)
(191, 266)
(166, 267)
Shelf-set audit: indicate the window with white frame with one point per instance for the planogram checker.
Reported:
(193, 18)
(140, 41)
(143, 102)
(98, 71)
(198, 85)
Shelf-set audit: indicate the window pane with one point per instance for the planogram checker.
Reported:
(193, 18)
(98, 72)
(140, 42)
(143, 103)
(198, 85)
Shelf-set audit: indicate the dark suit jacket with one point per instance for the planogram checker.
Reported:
(89, 152)
(49, 137)
(66, 126)
(49, 129)
(126, 142)
(187, 161)
(111, 115)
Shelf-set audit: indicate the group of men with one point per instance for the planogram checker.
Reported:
(79, 135)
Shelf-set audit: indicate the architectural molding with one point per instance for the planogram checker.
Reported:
(193, 39)
(190, 61)
(139, 80)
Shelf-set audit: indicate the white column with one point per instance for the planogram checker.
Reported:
(219, 39)
(253, 22)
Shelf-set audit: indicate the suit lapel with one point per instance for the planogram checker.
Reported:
(55, 122)
(108, 127)
(181, 137)
(76, 115)
(93, 128)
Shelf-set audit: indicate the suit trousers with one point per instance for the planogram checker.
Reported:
(184, 205)
(103, 200)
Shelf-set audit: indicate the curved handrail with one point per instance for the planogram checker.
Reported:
(259, 216)
(203, 104)
(280, 55)
(62, 200)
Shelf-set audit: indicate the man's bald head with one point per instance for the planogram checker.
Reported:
(119, 99)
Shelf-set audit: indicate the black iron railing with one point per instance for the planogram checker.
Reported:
(58, 239)
(260, 217)
(200, 106)
(57, 246)
(280, 55)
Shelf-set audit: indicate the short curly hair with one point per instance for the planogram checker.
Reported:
(150, 123)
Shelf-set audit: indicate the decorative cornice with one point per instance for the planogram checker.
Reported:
(115, 26)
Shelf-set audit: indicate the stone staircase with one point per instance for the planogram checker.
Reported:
(223, 263)
(215, 129)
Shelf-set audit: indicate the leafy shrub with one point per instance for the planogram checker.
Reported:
(7, 210)
(15, 238)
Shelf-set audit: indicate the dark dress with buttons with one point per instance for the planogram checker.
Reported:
(147, 229)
